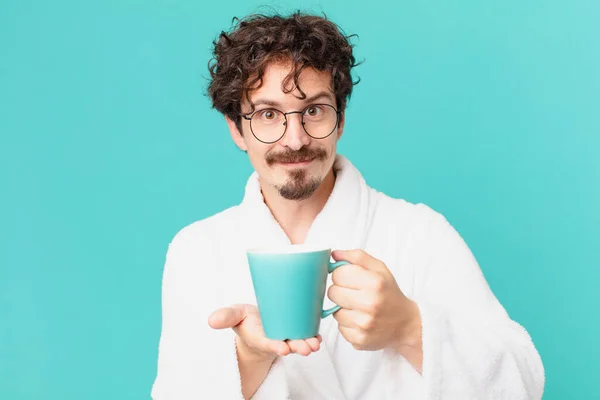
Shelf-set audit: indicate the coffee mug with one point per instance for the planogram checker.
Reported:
(289, 285)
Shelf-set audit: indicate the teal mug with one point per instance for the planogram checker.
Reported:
(289, 285)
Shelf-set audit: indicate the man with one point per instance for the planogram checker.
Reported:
(418, 320)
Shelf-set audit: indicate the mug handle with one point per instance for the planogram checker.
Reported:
(332, 267)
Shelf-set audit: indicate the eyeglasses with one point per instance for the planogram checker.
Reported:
(269, 125)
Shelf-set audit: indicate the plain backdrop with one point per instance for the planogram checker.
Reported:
(487, 111)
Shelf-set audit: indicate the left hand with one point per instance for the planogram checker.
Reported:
(375, 314)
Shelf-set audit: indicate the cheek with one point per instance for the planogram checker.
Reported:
(257, 153)
(332, 147)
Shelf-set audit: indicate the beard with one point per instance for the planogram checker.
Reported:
(299, 185)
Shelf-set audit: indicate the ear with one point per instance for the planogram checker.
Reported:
(340, 128)
(236, 135)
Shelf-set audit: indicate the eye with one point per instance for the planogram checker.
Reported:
(268, 114)
(313, 111)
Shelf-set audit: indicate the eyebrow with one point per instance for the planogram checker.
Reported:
(320, 95)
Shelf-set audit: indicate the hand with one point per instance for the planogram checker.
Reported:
(375, 313)
(244, 319)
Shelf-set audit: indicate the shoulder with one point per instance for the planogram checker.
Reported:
(417, 218)
(420, 236)
(193, 254)
(204, 233)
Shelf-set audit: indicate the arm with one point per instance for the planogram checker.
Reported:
(410, 344)
(253, 365)
(471, 347)
(262, 377)
(194, 361)
(253, 369)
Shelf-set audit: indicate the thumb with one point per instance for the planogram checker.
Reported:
(227, 317)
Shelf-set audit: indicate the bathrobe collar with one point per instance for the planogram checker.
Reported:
(342, 224)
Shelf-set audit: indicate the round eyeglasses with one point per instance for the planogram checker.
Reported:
(269, 125)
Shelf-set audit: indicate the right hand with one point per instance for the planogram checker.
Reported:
(244, 319)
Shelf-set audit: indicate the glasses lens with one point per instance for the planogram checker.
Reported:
(320, 120)
(268, 125)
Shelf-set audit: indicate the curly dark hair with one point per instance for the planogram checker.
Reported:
(241, 56)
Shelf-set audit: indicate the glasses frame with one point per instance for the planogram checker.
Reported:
(248, 117)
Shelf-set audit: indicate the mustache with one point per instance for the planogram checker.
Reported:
(291, 156)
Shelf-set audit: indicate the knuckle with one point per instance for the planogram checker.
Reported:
(378, 284)
(367, 323)
(369, 308)
(374, 306)
(360, 256)
(361, 340)
(369, 304)
(377, 305)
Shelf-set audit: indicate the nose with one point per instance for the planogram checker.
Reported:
(295, 136)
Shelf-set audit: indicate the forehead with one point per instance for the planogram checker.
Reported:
(274, 86)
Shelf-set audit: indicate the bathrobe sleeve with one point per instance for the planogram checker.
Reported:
(195, 361)
(471, 347)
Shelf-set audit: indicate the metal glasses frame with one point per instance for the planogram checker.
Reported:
(248, 117)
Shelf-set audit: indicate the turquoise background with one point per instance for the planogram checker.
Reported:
(487, 111)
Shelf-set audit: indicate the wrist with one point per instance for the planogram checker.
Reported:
(253, 366)
(247, 354)
(410, 333)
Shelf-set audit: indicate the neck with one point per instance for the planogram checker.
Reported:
(296, 217)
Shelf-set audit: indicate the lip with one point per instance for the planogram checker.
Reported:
(296, 164)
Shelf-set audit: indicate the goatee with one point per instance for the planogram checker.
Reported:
(298, 187)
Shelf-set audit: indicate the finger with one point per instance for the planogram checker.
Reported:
(258, 341)
(359, 257)
(354, 277)
(320, 338)
(227, 317)
(351, 335)
(278, 347)
(351, 299)
(262, 344)
(352, 319)
(299, 347)
(314, 344)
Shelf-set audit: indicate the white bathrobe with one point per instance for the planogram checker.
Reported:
(471, 347)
